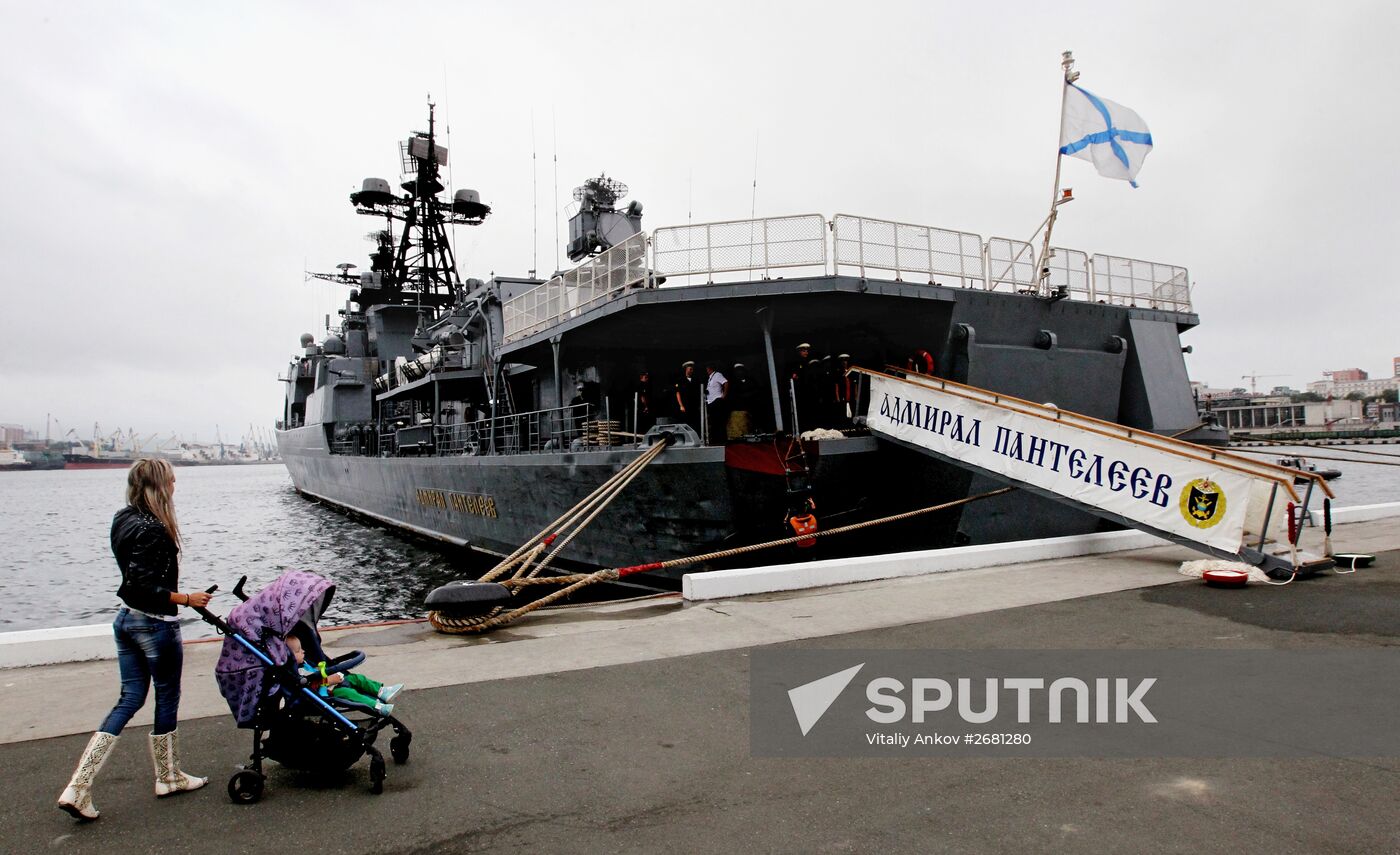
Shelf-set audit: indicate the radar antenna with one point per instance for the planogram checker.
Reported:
(598, 225)
(601, 192)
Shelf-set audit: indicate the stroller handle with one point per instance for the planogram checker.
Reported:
(210, 617)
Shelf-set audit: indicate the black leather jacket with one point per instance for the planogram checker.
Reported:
(148, 559)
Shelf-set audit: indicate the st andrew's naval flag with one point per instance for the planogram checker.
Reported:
(1110, 136)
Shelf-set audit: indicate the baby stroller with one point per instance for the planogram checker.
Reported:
(291, 723)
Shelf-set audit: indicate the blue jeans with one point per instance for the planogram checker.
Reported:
(148, 650)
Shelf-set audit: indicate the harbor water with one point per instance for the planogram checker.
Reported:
(56, 568)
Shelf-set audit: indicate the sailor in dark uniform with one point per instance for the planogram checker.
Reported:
(793, 386)
(844, 387)
(642, 396)
(688, 388)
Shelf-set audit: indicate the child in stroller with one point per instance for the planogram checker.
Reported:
(292, 724)
(347, 685)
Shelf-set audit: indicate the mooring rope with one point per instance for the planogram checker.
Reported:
(531, 548)
(500, 617)
(603, 501)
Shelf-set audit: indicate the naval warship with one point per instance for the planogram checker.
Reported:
(477, 412)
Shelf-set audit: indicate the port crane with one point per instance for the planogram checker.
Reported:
(1254, 378)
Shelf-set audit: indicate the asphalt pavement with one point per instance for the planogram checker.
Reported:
(653, 756)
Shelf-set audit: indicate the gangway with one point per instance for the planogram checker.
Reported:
(1223, 504)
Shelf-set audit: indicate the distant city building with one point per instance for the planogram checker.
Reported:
(1368, 388)
(1347, 375)
(11, 434)
(1280, 413)
(1354, 380)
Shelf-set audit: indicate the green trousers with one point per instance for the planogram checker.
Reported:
(359, 689)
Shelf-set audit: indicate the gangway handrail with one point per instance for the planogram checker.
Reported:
(1239, 463)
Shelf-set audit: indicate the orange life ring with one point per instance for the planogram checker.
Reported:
(921, 362)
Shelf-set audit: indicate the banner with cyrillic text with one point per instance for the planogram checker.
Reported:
(1193, 499)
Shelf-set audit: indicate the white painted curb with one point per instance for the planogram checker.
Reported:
(1359, 513)
(62, 644)
(719, 584)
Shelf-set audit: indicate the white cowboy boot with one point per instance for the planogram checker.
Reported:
(77, 797)
(165, 751)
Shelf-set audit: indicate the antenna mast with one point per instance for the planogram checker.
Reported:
(554, 128)
(753, 199)
(535, 196)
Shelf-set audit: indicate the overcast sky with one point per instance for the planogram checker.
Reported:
(171, 168)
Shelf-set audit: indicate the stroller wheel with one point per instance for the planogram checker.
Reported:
(245, 787)
(376, 774)
(398, 747)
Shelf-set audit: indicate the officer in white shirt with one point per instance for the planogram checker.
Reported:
(716, 405)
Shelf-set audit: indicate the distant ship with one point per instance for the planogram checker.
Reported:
(476, 413)
(72, 460)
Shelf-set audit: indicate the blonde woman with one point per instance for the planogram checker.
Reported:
(146, 543)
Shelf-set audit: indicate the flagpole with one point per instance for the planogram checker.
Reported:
(1042, 272)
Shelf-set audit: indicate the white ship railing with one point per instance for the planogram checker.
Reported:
(1133, 282)
(754, 249)
(1069, 269)
(741, 246)
(1010, 265)
(903, 248)
(574, 292)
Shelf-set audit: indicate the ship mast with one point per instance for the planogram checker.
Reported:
(1042, 268)
(419, 269)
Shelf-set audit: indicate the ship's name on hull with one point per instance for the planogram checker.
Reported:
(476, 504)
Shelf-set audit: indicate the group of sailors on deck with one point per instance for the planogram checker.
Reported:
(724, 403)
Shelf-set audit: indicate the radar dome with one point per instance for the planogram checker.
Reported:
(468, 204)
(374, 191)
(307, 339)
(333, 346)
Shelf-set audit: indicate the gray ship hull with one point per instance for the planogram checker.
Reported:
(688, 502)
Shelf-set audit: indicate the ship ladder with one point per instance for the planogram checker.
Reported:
(1224, 504)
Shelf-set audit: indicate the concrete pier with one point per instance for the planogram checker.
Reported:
(624, 728)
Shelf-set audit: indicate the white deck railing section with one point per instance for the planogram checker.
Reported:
(1131, 282)
(845, 244)
(902, 248)
(574, 292)
(1069, 268)
(1010, 265)
(740, 245)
